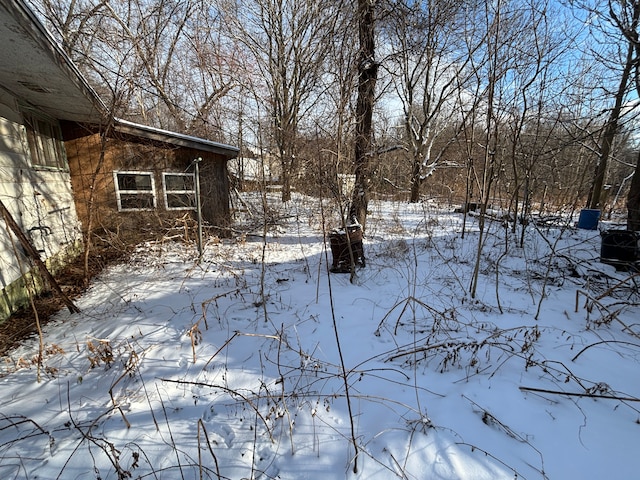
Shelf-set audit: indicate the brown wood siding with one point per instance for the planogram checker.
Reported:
(214, 188)
(83, 156)
(130, 154)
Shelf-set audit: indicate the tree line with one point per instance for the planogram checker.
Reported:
(531, 103)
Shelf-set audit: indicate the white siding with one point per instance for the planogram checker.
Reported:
(40, 201)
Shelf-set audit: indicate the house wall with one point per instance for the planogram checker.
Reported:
(39, 200)
(92, 163)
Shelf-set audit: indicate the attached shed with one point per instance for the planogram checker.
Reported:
(136, 177)
(65, 163)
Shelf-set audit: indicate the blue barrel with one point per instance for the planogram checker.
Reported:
(588, 219)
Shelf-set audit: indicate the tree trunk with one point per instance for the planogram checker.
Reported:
(286, 178)
(610, 131)
(633, 201)
(415, 181)
(367, 76)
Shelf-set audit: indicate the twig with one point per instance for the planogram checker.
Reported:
(28, 285)
(490, 455)
(146, 394)
(419, 349)
(206, 303)
(235, 334)
(579, 394)
(206, 437)
(406, 301)
(621, 282)
(588, 297)
(229, 391)
(344, 373)
(489, 419)
(173, 443)
(106, 447)
(601, 342)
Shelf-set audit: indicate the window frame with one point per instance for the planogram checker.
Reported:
(191, 192)
(45, 142)
(146, 192)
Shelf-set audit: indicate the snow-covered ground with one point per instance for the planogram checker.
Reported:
(258, 363)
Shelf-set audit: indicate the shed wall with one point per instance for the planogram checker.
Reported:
(93, 163)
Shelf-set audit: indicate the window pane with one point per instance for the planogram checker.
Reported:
(33, 147)
(45, 141)
(45, 129)
(178, 182)
(134, 181)
(181, 200)
(179, 191)
(47, 144)
(136, 201)
(50, 152)
(135, 190)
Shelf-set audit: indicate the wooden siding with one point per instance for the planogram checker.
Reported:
(92, 163)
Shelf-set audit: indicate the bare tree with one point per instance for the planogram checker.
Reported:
(429, 65)
(168, 53)
(615, 28)
(288, 40)
(327, 135)
(532, 110)
(505, 26)
(73, 21)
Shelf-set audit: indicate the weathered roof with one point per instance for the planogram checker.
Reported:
(35, 69)
(173, 138)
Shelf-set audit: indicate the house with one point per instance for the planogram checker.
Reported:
(67, 166)
(255, 170)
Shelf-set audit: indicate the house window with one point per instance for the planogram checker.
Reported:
(179, 191)
(45, 142)
(135, 191)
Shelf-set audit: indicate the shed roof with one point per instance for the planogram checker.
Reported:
(173, 138)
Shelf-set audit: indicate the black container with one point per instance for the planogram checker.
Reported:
(620, 248)
(341, 252)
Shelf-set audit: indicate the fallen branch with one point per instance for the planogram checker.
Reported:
(619, 284)
(578, 394)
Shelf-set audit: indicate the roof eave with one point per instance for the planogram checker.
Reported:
(158, 135)
(75, 100)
